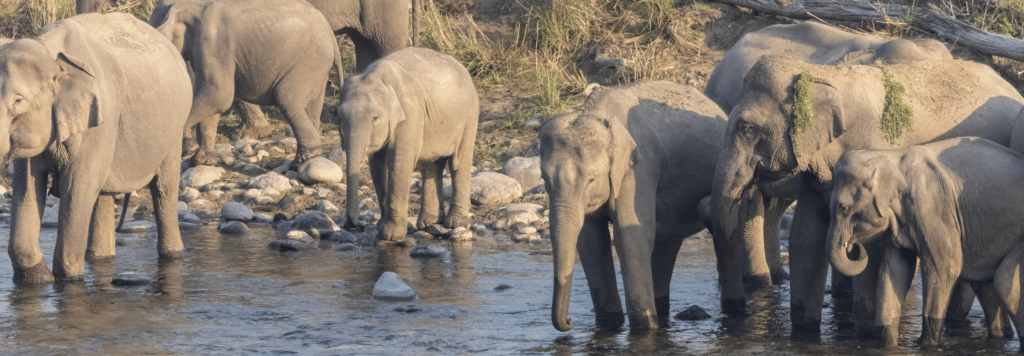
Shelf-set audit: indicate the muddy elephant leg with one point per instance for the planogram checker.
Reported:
(431, 205)
(27, 203)
(757, 274)
(937, 283)
(595, 251)
(164, 188)
(399, 165)
(73, 217)
(773, 210)
(298, 111)
(460, 165)
(663, 261)
(253, 125)
(101, 229)
(865, 287)
(808, 264)
(895, 278)
(997, 321)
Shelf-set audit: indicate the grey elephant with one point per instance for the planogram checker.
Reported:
(640, 157)
(794, 122)
(810, 42)
(413, 109)
(98, 103)
(955, 205)
(376, 28)
(276, 52)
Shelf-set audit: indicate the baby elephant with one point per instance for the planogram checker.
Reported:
(413, 109)
(955, 204)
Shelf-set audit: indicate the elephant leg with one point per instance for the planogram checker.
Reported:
(960, 302)
(399, 165)
(634, 242)
(595, 250)
(73, 217)
(773, 210)
(937, 285)
(757, 274)
(164, 188)
(189, 144)
(206, 132)
(895, 278)
(865, 286)
(366, 51)
(296, 109)
(461, 164)
(1007, 283)
(27, 203)
(253, 125)
(101, 229)
(997, 321)
(431, 205)
(808, 263)
(663, 260)
(212, 95)
(379, 174)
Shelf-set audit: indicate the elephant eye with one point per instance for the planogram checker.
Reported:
(746, 130)
(843, 208)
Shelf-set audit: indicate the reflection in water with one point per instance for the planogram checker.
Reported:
(231, 294)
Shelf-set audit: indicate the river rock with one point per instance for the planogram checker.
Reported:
(525, 237)
(315, 223)
(182, 207)
(289, 144)
(189, 194)
(461, 234)
(263, 218)
(300, 236)
(693, 313)
(490, 188)
(189, 217)
(138, 226)
(422, 235)
(232, 228)
(524, 170)
(232, 211)
(342, 236)
(391, 286)
(199, 176)
(320, 170)
(327, 207)
(270, 180)
(345, 247)
(50, 214)
(527, 230)
(502, 287)
(289, 245)
(187, 226)
(130, 279)
(525, 213)
(428, 250)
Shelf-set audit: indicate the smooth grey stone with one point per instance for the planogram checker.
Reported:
(130, 279)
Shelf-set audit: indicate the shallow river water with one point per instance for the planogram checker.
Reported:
(232, 295)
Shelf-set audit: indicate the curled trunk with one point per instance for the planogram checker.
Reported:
(842, 251)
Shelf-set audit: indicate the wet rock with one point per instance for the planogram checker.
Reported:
(320, 170)
(524, 170)
(693, 313)
(187, 226)
(300, 236)
(337, 155)
(518, 213)
(288, 245)
(542, 253)
(50, 215)
(438, 230)
(182, 207)
(138, 226)
(233, 211)
(342, 236)
(263, 218)
(490, 188)
(391, 286)
(270, 180)
(408, 242)
(189, 217)
(502, 287)
(409, 309)
(527, 230)
(189, 194)
(461, 234)
(232, 228)
(314, 223)
(327, 207)
(199, 176)
(345, 247)
(283, 226)
(422, 235)
(429, 250)
(525, 237)
(130, 279)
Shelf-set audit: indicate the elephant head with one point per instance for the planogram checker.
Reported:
(173, 19)
(51, 88)
(785, 123)
(866, 195)
(584, 158)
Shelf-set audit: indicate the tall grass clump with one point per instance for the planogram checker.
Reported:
(489, 62)
(45, 12)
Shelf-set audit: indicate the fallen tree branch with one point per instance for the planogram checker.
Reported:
(944, 26)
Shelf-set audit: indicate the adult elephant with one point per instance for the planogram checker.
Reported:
(98, 103)
(376, 27)
(276, 52)
(810, 42)
(794, 121)
(640, 157)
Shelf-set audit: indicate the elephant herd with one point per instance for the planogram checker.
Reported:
(898, 155)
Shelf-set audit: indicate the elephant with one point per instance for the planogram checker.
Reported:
(276, 52)
(955, 205)
(787, 150)
(376, 27)
(413, 109)
(640, 157)
(98, 103)
(810, 42)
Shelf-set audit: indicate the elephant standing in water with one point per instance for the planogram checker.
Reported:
(954, 204)
(413, 109)
(640, 157)
(810, 42)
(263, 51)
(99, 103)
(793, 123)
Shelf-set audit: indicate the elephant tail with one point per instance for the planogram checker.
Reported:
(416, 9)
(124, 211)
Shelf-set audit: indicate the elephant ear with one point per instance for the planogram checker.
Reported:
(408, 92)
(623, 153)
(78, 101)
(886, 183)
(173, 29)
(822, 104)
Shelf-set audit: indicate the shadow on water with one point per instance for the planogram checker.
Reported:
(230, 294)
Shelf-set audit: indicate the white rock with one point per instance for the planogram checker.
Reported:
(298, 235)
(524, 170)
(199, 176)
(288, 143)
(327, 207)
(270, 180)
(308, 191)
(233, 211)
(391, 286)
(182, 207)
(461, 234)
(189, 194)
(320, 170)
(232, 227)
(323, 193)
(224, 150)
(515, 213)
(245, 142)
(525, 237)
(489, 188)
(527, 230)
(138, 226)
(216, 194)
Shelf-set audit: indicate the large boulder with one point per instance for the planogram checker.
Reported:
(320, 170)
(315, 223)
(490, 188)
(391, 286)
(232, 228)
(525, 213)
(270, 180)
(199, 176)
(232, 211)
(524, 170)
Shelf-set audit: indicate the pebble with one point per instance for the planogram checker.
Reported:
(502, 287)
(138, 226)
(130, 279)
(345, 247)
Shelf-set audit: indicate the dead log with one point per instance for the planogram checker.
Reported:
(960, 33)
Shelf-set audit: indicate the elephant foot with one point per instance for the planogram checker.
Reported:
(456, 219)
(757, 282)
(65, 277)
(91, 255)
(779, 277)
(661, 305)
(425, 221)
(39, 273)
(801, 322)
(171, 255)
(931, 329)
(250, 131)
(890, 335)
(734, 306)
(1003, 332)
(392, 231)
(189, 146)
(202, 158)
(610, 320)
(303, 155)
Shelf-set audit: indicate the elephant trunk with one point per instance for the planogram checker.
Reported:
(355, 152)
(733, 176)
(841, 253)
(566, 223)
